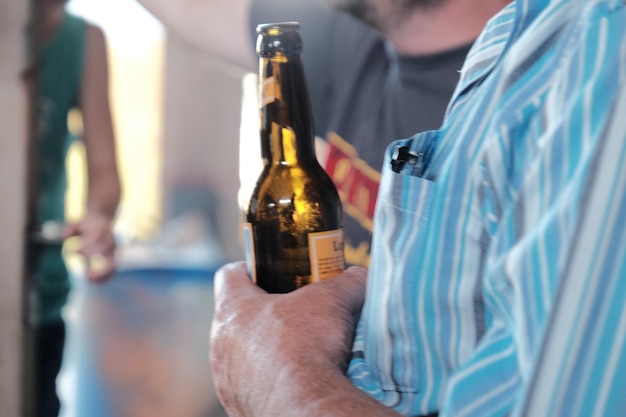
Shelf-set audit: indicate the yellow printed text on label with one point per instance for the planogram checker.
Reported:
(326, 254)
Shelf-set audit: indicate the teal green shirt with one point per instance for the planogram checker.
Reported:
(60, 73)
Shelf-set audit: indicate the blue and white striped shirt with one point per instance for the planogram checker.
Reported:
(497, 285)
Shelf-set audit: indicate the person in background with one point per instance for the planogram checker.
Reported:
(497, 281)
(71, 72)
(377, 70)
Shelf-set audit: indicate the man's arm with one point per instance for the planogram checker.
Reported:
(285, 354)
(219, 27)
(103, 193)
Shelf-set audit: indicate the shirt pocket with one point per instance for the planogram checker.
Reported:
(391, 338)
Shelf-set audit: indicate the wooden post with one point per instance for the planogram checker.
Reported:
(14, 132)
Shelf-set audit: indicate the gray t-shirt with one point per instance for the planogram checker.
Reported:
(364, 95)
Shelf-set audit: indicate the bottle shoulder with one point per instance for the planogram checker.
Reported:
(295, 174)
(283, 184)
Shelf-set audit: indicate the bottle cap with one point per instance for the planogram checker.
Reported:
(283, 37)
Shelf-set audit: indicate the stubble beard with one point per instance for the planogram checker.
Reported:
(381, 14)
(357, 8)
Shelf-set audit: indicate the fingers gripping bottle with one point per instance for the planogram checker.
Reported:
(293, 227)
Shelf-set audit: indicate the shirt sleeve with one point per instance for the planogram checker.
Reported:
(555, 272)
(581, 366)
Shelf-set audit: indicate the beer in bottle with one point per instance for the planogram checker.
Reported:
(293, 227)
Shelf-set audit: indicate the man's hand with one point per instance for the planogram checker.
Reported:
(278, 353)
(97, 245)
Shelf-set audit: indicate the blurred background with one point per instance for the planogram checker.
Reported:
(137, 345)
(177, 116)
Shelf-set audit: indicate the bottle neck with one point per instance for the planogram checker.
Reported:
(287, 134)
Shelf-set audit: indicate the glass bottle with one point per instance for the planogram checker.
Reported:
(293, 229)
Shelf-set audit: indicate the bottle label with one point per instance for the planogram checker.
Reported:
(326, 254)
(248, 243)
(268, 91)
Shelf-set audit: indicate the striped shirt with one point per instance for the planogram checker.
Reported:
(497, 284)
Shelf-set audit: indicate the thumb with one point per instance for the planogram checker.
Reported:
(232, 280)
(71, 230)
(349, 287)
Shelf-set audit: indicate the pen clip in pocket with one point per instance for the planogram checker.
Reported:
(403, 155)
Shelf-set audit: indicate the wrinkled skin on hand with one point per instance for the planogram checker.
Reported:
(275, 353)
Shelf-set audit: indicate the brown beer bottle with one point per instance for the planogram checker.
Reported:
(293, 227)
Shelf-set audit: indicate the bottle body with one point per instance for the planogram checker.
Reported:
(296, 232)
(294, 220)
